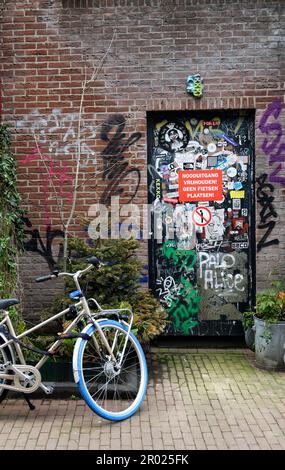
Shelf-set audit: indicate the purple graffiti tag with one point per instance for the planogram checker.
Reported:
(277, 179)
(279, 156)
(274, 131)
(274, 109)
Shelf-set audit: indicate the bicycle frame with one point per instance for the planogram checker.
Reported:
(83, 313)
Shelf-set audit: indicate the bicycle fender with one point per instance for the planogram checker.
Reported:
(11, 350)
(75, 352)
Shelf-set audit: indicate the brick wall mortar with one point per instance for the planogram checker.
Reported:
(237, 46)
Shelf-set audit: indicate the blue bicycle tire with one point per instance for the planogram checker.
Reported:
(81, 381)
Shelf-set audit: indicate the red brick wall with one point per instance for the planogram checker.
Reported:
(236, 45)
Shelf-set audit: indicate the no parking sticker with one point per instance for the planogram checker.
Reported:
(201, 216)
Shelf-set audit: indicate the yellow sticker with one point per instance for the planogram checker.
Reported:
(237, 194)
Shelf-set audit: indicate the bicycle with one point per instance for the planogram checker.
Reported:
(108, 362)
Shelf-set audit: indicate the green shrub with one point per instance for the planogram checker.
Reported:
(114, 286)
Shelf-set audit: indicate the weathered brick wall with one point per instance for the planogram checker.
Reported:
(236, 45)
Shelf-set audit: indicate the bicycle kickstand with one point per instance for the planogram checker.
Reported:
(31, 406)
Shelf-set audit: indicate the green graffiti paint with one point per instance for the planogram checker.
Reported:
(187, 258)
(185, 303)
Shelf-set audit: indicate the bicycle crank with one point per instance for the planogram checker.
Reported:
(26, 378)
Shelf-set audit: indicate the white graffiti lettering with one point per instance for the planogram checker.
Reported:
(58, 132)
(217, 272)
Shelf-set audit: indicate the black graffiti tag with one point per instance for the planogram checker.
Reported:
(116, 168)
(265, 198)
(36, 245)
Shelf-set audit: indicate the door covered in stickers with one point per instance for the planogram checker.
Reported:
(200, 174)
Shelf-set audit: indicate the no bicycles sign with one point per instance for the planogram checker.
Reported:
(201, 216)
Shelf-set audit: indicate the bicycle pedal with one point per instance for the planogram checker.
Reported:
(48, 389)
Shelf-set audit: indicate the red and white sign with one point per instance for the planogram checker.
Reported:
(200, 185)
(201, 216)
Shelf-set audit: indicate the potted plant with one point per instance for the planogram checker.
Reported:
(268, 324)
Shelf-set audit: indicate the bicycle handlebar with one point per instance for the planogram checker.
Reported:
(93, 260)
(45, 278)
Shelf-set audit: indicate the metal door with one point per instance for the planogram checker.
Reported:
(200, 186)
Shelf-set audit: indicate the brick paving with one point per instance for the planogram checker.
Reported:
(197, 399)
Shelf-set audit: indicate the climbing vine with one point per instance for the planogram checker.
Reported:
(11, 217)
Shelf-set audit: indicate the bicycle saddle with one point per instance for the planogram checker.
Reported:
(6, 303)
(95, 261)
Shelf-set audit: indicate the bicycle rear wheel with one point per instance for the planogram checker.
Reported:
(112, 394)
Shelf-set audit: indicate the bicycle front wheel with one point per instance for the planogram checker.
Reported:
(111, 392)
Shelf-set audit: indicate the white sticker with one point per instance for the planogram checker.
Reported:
(212, 148)
(214, 231)
(228, 159)
(175, 194)
(222, 143)
(244, 158)
(173, 177)
(240, 245)
(236, 204)
(231, 172)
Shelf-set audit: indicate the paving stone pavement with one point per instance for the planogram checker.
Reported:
(196, 399)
